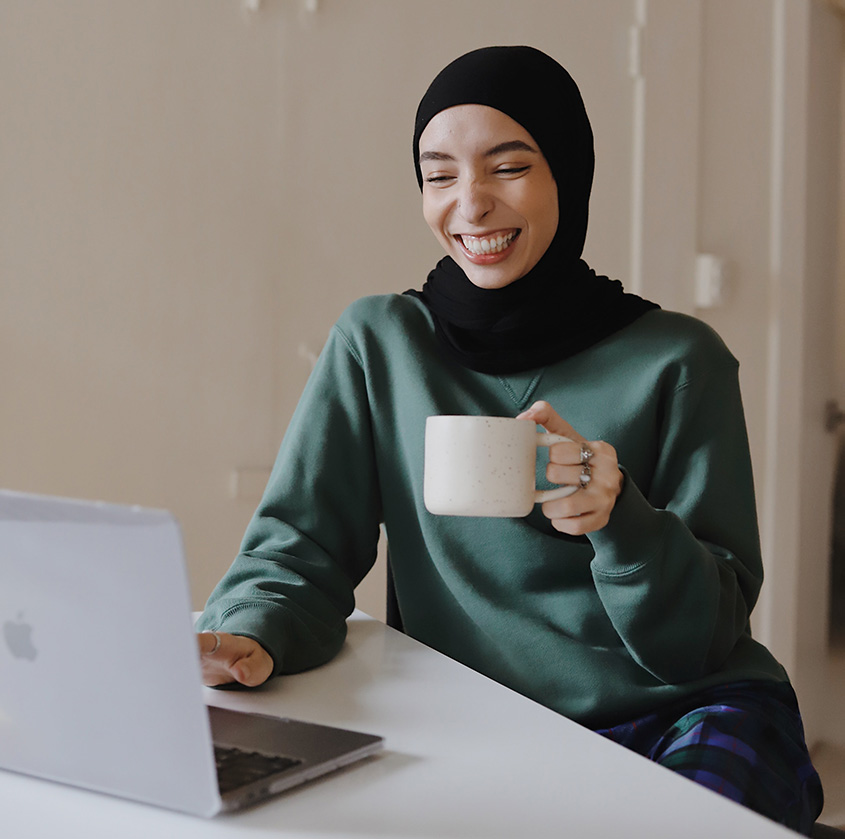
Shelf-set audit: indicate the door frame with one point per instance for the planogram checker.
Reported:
(794, 496)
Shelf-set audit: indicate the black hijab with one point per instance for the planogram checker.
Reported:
(560, 306)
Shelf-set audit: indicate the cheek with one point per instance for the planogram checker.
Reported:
(434, 216)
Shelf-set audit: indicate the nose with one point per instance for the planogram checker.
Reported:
(474, 201)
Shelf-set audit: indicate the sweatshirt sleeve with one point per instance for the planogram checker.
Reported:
(314, 535)
(678, 569)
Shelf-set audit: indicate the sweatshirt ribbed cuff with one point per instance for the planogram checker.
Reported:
(258, 621)
(632, 536)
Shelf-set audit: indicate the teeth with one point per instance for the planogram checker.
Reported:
(494, 244)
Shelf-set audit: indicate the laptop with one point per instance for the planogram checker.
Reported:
(100, 683)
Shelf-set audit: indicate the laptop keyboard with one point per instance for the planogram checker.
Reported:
(237, 768)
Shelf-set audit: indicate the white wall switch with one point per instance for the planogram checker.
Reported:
(248, 484)
(709, 281)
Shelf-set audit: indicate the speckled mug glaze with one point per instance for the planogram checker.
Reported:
(484, 466)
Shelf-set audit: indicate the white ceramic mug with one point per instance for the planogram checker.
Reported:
(484, 466)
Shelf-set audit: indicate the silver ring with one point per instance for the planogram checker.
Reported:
(216, 643)
(586, 475)
(586, 453)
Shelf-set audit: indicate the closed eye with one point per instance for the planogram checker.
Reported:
(438, 179)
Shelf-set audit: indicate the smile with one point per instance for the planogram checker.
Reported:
(484, 245)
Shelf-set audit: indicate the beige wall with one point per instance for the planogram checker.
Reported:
(734, 189)
(188, 203)
(176, 231)
(840, 301)
(768, 204)
(140, 211)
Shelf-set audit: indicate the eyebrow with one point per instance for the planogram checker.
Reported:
(500, 148)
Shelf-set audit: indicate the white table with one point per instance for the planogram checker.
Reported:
(464, 757)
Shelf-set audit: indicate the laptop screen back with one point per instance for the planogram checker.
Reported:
(100, 684)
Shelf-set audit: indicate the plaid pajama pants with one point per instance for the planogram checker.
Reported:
(743, 740)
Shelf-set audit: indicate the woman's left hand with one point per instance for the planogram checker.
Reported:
(588, 509)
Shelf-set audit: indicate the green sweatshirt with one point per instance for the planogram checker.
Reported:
(602, 628)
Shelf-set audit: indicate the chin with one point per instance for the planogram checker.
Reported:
(488, 276)
(487, 279)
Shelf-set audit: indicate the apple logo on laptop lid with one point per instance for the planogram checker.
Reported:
(18, 636)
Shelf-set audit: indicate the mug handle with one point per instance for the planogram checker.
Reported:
(541, 495)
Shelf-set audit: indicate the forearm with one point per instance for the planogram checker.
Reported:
(314, 535)
(678, 567)
(296, 629)
(678, 603)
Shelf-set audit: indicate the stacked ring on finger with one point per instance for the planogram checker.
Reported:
(586, 475)
(216, 642)
(586, 471)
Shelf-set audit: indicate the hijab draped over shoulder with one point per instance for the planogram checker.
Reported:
(561, 306)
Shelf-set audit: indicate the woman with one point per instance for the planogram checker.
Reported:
(624, 606)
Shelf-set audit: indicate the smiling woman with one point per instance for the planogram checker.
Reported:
(496, 153)
(488, 193)
(623, 605)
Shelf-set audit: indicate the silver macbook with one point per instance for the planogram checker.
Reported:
(100, 683)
